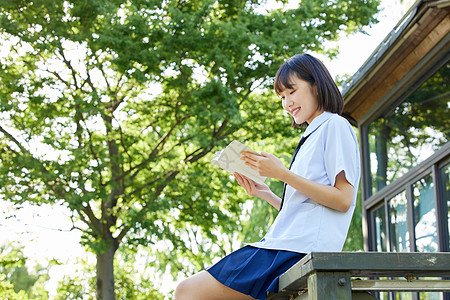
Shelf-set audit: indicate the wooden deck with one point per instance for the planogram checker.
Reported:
(350, 275)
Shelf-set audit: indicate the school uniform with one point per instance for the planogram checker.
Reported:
(302, 225)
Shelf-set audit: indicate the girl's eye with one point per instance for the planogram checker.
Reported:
(292, 92)
(282, 97)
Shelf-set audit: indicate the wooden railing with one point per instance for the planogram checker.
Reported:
(351, 275)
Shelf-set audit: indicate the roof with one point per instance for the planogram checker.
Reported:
(425, 26)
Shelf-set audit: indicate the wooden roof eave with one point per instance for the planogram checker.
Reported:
(415, 35)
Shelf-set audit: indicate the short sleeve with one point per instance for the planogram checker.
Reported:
(341, 151)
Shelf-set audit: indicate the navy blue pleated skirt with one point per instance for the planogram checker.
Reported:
(254, 271)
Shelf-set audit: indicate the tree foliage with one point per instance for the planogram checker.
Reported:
(113, 109)
(17, 280)
(134, 277)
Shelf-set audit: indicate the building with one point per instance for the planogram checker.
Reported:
(400, 101)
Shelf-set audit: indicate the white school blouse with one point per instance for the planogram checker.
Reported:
(303, 225)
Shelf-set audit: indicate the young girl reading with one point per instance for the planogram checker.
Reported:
(319, 193)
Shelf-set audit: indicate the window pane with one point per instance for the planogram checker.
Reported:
(380, 229)
(445, 189)
(383, 295)
(425, 215)
(430, 295)
(409, 133)
(403, 296)
(398, 223)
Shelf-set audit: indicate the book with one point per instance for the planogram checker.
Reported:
(229, 160)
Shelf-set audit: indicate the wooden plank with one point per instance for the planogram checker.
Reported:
(355, 296)
(401, 285)
(358, 262)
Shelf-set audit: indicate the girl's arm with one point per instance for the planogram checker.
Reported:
(338, 197)
(258, 190)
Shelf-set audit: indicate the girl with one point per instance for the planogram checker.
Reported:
(319, 193)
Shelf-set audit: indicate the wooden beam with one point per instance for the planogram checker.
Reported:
(392, 285)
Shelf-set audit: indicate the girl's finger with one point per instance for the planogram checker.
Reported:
(251, 184)
(249, 159)
(250, 162)
(239, 179)
(245, 183)
(249, 187)
(251, 165)
(248, 153)
(250, 156)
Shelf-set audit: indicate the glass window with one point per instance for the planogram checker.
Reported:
(403, 295)
(445, 189)
(398, 223)
(421, 296)
(408, 134)
(430, 295)
(425, 215)
(379, 217)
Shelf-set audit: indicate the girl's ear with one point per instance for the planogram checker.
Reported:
(315, 90)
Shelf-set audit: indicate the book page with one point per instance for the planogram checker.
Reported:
(229, 160)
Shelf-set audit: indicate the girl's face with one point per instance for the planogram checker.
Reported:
(301, 101)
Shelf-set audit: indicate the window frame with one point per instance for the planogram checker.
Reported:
(432, 165)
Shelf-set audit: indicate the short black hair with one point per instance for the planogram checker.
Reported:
(312, 70)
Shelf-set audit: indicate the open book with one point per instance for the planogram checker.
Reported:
(229, 160)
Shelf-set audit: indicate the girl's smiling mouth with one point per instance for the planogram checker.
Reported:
(295, 111)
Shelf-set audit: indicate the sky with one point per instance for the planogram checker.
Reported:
(45, 231)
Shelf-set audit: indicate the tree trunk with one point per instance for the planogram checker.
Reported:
(381, 148)
(105, 274)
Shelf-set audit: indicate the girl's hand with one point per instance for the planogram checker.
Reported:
(265, 163)
(251, 187)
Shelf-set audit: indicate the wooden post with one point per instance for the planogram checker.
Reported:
(329, 285)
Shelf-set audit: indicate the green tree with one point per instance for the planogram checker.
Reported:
(355, 240)
(126, 100)
(17, 281)
(133, 279)
(10, 258)
(7, 291)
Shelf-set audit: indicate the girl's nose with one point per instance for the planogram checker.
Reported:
(288, 102)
